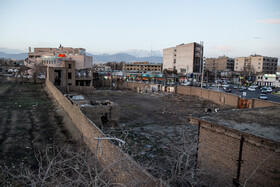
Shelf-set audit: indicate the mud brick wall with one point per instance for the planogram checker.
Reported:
(184, 90)
(257, 103)
(219, 150)
(216, 97)
(82, 89)
(131, 85)
(125, 170)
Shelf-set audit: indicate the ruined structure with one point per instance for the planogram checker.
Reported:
(67, 78)
(103, 113)
(240, 147)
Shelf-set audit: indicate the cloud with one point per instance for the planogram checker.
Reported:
(256, 38)
(269, 21)
(224, 48)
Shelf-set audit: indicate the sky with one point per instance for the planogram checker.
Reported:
(226, 27)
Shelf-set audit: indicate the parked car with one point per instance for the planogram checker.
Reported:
(263, 90)
(235, 86)
(228, 89)
(252, 89)
(263, 96)
(269, 89)
(186, 84)
(254, 86)
(242, 88)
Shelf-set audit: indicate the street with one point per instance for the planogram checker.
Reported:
(253, 94)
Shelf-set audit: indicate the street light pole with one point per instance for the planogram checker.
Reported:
(201, 60)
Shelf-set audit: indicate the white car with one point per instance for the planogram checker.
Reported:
(186, 83)
(252, 89)
(263, 96)
(268, 89)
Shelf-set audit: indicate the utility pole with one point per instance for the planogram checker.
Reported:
(201, 63)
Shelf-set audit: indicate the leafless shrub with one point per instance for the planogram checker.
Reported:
(174, 163)
(60, 166)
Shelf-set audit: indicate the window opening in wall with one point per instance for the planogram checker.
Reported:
(69, 75)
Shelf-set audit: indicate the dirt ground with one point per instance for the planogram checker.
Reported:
(29, 124)
(156, 127)
(36, 149)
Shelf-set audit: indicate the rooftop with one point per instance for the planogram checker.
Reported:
(262, 122)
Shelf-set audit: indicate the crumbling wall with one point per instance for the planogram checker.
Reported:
(218, 153)
(125, 170)
(103, 115)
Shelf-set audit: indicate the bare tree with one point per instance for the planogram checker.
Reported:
(21, 73)
(38, 69)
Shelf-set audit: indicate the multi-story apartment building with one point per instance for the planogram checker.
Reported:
(185, 58)
(222, 63)
(53, 57)
(256, 64)
(142, 67)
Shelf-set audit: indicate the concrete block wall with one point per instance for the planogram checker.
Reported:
(124, 169)
(219, 150)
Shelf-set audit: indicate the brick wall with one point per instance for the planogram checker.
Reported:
(219, 150)
(257, 103)
(125, 170)
(214, 96)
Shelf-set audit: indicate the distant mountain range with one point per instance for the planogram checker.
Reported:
(125, 57)
(19, 56)
(102, 58)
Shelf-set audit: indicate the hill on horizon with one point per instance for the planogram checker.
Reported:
(102, 58)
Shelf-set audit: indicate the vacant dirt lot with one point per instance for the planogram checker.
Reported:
(35, 148)
(156, 129)
(29, 124)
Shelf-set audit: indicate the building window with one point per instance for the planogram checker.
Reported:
(69, 75)
(183, 70)
(174, 67)
(69, 66)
